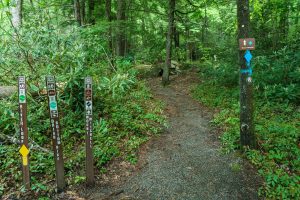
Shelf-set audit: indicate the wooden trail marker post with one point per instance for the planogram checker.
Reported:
(56, 139)
(24, 150)
(246, 86)
(88, 102)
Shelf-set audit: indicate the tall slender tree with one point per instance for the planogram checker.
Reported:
(16, 12)
(109, 19)
(91, 8)
(166, 71)
(121, 35)
(82, 12)
(77, 12)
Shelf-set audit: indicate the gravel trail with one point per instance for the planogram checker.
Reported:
(186, 161)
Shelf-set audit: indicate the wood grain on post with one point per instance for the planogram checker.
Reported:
(23, 130)
(56, 138)
(88, 102)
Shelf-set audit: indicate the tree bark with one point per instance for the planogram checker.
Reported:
(82, 12)
(91, 9)
(187, 44)
(204, 26)
(246, 87)
(121, 36)
(284, 21)
(297, 13)
(176, 37)
(77, 12)
(166, 71)
(109, 19)
(16, 12)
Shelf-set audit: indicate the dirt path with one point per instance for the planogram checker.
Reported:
(185, 162)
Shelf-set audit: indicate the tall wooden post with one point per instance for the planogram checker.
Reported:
(24, 150)
(89, 162)
(56, 139)
(246, 86)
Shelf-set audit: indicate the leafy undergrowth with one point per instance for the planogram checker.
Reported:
(125, 116)
(277, 127)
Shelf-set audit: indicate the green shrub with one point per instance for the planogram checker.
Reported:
(277, 119)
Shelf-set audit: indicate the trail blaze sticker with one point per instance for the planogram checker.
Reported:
(25, 160)
(53, 105)
(22, 98)
(248, 56)
(24, 151)
(89, 105)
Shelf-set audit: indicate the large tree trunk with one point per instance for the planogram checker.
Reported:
(77, 12)
(121, 36)
(91, 8)
(16, 12)
(246, 86)
(166, 71)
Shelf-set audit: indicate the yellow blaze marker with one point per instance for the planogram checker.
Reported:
(24, 151)
(25, 160)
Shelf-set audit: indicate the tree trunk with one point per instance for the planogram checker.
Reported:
(187, 38)
(284, 21)
(121, 35)
(77, 11)
(176, 37)
(16, 13)
(82, 12)
(110, 36)
(166, 72)
(246, 88)
(297, 13)
(109, 19)
(204, 26)
(91, 8)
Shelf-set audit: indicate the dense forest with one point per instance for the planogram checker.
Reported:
(120, 43)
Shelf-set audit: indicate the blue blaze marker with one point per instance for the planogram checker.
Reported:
(248, 56)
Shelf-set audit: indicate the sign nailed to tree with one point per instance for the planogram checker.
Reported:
(247, 44)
